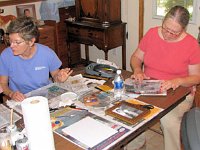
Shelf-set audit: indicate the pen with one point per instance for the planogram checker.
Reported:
(53, 109)
(102, 89)
(70, 106)
(76, 108)
(65, 116)
(95, 77)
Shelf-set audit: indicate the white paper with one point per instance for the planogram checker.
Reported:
(37, 123)
(89, 131)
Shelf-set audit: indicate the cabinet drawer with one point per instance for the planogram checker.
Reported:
(46, 38)
(85, 33)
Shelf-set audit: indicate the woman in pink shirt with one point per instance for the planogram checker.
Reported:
(170, 54)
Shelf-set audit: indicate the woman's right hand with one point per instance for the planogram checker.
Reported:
(139, 75)
(17, 96)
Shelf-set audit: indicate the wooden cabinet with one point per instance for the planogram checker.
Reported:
(46, 36)
(104, 38)
(2, 47)
(60, 37)
(98, 22)
(99, 11)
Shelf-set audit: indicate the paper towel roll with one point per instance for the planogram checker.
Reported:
(37, 123)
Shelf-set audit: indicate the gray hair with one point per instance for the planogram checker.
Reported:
(180, 14)
(25, 27)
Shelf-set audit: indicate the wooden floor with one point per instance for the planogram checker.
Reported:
(150, 140)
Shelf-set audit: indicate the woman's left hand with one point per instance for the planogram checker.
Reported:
(64, 74)
(167, 84)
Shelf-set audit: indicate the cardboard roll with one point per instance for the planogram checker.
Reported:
(101, 70)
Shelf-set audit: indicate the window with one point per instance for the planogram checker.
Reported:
(161, 7)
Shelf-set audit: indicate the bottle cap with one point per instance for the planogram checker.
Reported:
(118, 71)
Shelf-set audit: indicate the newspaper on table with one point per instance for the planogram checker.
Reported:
(77, 84)
(147, 87)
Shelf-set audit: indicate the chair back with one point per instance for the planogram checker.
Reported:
(190, 129)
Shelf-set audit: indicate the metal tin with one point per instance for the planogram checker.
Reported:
(22, 144)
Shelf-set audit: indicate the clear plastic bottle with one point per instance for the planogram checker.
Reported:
(118, 85)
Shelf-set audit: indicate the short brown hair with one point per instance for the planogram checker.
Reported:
(25, 27)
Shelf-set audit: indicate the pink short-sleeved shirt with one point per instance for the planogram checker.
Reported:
(168, 60)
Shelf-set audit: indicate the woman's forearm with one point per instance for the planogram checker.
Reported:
(6, 90)
(190, 80)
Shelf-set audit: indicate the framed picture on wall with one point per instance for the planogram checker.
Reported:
(26, 10)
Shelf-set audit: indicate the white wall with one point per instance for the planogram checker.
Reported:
(130, 14)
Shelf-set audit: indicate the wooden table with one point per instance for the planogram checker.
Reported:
(168, 102)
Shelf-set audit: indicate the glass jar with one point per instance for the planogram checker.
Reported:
(5, 140)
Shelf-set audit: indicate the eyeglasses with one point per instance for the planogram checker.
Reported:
(16, 42)
(165, 29)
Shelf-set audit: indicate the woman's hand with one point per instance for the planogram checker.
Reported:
(167, 84)
(139, 75)
(63, 74)
(17, 96)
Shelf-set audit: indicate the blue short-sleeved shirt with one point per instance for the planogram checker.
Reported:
(26, 75)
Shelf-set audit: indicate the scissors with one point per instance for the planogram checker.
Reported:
(148, 106)
(73, 106)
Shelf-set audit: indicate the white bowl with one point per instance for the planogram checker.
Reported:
(68, 97)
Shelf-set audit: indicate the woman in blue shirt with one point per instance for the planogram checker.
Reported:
(25, 65)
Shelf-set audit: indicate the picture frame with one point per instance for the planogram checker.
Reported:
(26, 10)
(127, 112)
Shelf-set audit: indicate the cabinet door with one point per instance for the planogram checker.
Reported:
(99, 11)
(65, 13)
(2, 47)
(90, 10)
(47, 36)
(60, 37)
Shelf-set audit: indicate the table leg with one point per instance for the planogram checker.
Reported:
(124, 56)
(106, 55)
(124, 49)
(69, 54)
(87, 53)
